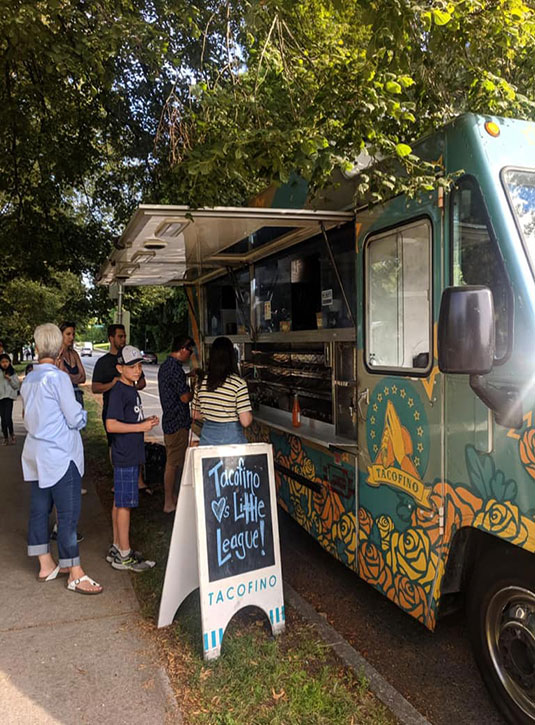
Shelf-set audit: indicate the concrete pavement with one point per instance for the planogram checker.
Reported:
(67, 658)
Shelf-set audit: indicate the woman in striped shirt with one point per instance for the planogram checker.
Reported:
(222, 399)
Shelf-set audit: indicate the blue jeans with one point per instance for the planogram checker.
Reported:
(66, 495)
(221, 434)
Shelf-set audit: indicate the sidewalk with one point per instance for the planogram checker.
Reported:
(66, 658)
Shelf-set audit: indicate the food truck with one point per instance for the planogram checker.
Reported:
(390, 356)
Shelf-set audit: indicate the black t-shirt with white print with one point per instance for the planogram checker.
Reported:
(124, 405)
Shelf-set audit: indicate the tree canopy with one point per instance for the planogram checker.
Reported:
(109, 103)
(311, 84)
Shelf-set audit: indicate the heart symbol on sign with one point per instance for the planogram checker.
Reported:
(218, 508)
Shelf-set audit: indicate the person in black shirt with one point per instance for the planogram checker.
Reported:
(175, 396)
(124, 418)
(106, 374)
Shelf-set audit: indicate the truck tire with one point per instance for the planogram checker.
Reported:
(501, 622)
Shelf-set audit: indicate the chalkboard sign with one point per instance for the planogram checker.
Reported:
(225, 539)
(237, 510)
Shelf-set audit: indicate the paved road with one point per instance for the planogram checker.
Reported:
(149, 396)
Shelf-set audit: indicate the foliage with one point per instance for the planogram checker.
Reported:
(81, 91)
(26, 303)
(310, 85)
(157, 315)
(252, 90)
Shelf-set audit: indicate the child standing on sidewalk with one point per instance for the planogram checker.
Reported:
(124, 419)
(9, 387)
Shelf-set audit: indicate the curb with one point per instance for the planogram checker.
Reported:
(383, 690)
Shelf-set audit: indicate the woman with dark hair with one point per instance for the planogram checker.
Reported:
(222, 399)
(69, 361)
(9, 388)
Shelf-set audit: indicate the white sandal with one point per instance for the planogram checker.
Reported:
(72, 586)
(54, 574)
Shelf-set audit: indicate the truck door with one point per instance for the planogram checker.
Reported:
(400, 412)
(475, 260)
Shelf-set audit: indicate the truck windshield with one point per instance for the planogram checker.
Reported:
(521, 187)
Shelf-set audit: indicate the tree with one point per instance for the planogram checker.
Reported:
(82, 85)
(26, 303)
(157, 315)
(310, 84)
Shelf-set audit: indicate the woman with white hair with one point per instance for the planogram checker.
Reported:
(53, 461)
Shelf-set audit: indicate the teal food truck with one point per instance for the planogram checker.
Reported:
(404, 336)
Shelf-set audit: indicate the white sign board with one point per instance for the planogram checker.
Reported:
(225, 540)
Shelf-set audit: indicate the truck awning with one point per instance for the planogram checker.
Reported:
(174, 245)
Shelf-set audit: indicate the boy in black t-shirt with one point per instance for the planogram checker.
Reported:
(124, 418)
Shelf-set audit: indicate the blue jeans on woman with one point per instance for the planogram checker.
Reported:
(66, 496)
(221, 434)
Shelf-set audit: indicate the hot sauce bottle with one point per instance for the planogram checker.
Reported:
(296, 412)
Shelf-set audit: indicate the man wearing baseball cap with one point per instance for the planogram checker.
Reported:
(124, 418)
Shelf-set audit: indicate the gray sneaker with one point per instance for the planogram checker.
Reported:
(131, 563)
(113, 551)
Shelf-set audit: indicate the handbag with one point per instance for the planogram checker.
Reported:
(79, 395)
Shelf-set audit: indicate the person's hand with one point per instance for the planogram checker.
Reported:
(150, 423)
(7, 376)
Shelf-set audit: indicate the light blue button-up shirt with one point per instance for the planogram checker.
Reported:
(53, 419)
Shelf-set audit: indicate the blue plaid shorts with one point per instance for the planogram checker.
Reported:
(125, 484)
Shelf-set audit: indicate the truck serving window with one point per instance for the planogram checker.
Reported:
(398, 304)
(227, 304)
(520, 185)
(476, 257)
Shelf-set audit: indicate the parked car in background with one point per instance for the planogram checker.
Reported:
(150, 357)
(87, 349)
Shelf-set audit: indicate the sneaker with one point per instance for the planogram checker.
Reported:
(6, 442)
(54, 535)
(131, 563)
(113, 551)
(139, 557)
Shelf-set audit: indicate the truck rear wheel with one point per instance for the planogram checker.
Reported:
(501, 620)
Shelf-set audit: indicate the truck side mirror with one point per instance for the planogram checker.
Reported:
(466, 330)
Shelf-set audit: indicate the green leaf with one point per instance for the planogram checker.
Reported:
(403, 149)
(393, 87)
(406, 81)
(441, 17)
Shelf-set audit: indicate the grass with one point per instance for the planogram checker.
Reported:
(293, 679)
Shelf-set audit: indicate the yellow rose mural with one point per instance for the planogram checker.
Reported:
(527, 451)
(409, 596)
(410, 554)
(365, 523)
(371, 567)
(344, 533)
(505, 520)
(407, 563)
(385, 526)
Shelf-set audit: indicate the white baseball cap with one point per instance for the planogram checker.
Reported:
(129, 355)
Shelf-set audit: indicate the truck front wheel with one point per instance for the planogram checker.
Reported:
(501, 620)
